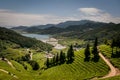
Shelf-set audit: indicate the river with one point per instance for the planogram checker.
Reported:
(46, 39)
(37, 36)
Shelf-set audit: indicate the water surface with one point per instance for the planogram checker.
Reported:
(37, 36)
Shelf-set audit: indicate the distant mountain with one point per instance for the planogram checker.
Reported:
(66, 24)
(70, 23)
(87, 31)
(84, 29)
(35, 29)
(106, 31)
(43, 26)
(19, 28)
(90, 25)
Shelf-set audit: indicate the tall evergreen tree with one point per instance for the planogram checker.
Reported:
(95, 51)
(47, 63)
(112, 46)
(87, 53)
(54, 60)
(57, 58)
(70, 55)
(116, 44)
(62, 57)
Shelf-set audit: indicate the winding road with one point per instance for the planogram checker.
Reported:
(113, 71)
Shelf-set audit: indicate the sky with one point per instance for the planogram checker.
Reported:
(40, 12)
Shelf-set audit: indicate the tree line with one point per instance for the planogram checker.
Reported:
(61, 58)
(95, 52)
(116, 45)
(26, 58)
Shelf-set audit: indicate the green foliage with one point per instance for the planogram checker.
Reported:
(26, 57)
(10, 53)
(9, 35)
(47, 63)
(107, 51)
(70, 55)
(95, 51)
(78, 70)
(57, 59)
(116, 44)
(34, 64)
(69, 41)
(62, 57)
(87, 53)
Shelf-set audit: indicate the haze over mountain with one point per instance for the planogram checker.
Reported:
(60, 25)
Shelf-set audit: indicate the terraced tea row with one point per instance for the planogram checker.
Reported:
(77, 70)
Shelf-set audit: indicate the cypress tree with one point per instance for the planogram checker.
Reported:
(54, 61)
(95, 51)
(47, 63)
(57, 59)
(70, 55)
(62, 57)
(112, 46)
(87, 53)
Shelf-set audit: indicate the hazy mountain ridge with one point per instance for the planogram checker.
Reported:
(85, 30)
(59, 25)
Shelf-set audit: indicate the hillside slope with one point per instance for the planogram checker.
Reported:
(7, 35)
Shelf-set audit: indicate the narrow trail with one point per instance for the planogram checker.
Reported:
(113, 71)
(10, 63)
(31, 55)
(9, 73)
(4, 71)
(5, 59)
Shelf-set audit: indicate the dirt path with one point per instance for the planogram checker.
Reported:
(9, 73)
(5, 59)
(4, 70)
(113, 71)
(9, 63)
(31, 54)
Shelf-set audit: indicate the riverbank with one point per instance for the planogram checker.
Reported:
(46, 39)
(54, 42)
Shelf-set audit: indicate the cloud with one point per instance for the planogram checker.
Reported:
(10, 18)
(97, 15)
(90, 11)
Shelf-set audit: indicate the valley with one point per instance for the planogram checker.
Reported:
(23, 62)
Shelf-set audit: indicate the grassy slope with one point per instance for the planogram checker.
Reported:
(20, 72)
(10, 53)
(78, 70)
(70, 41)
(11, 37)
(5, 76)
